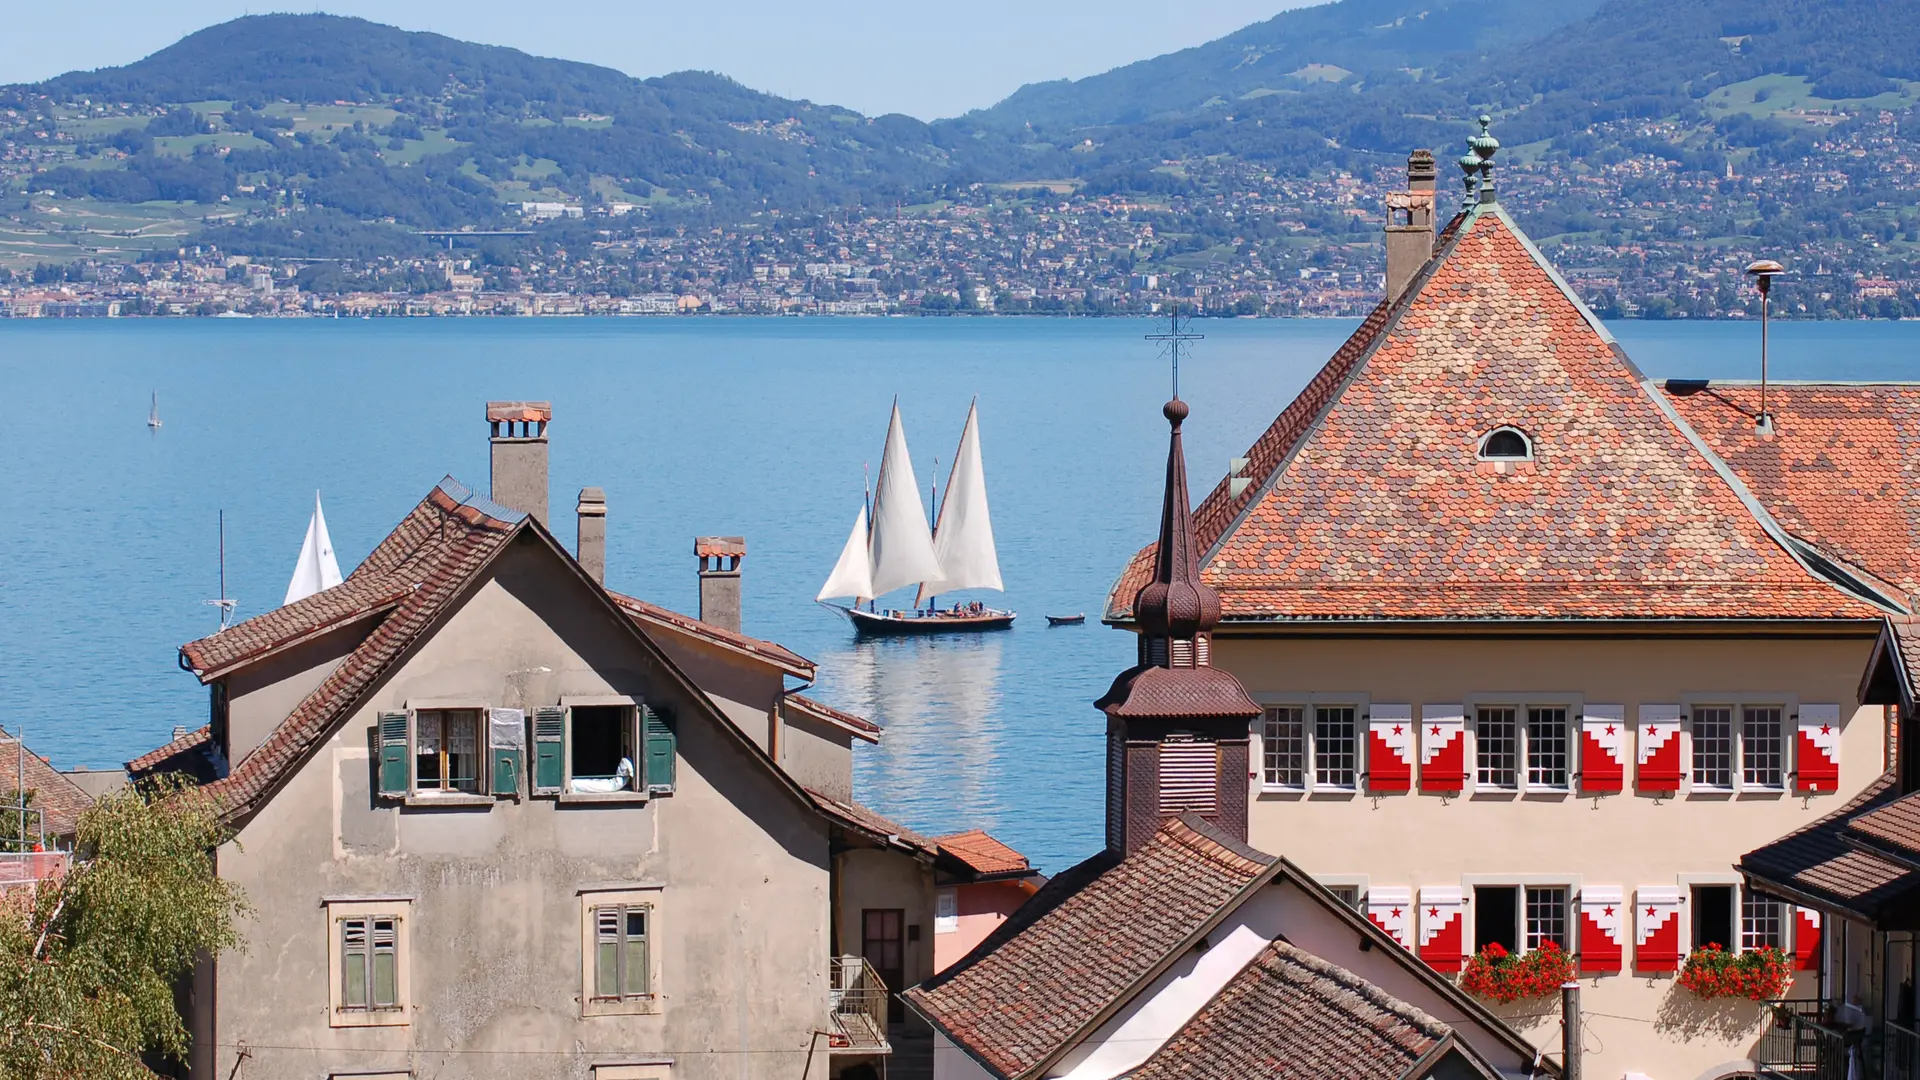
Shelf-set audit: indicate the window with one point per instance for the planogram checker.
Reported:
(1496, 749)
(1713, 916)
(446, 750)
(1505, 444)
(601, 756)
(1283, 746)
(1741, 746)
(1496, 917)
(946, 912)
(609, 746)
(1546, 916)
(1547, 747)
(1189, 775)
(367, 962)
(1333, 746)
(619, 973)
(1763, 921)
(1348, 895)
(620, 952)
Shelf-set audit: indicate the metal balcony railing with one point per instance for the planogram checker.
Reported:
(1797, 1046)
(1899, 1052)
(859, 1017)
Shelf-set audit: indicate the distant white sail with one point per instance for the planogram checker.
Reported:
(963, 539)
(902, 546)
(317, 569)
(853, 574)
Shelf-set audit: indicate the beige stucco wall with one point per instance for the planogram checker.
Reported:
(747, 690)
(872, 878)
(740, 928)
(260, 696)
(1640, 1024)
(818, 755)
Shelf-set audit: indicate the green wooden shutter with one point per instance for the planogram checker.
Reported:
(549, 732)
(393, 753)
(662, 748)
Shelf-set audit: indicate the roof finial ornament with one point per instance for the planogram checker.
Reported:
(1484, 146)
(1174, 337)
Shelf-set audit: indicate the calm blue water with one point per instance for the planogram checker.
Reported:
(694, 427)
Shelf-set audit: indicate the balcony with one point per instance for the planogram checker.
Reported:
(1803, 1043)
(858, 1024)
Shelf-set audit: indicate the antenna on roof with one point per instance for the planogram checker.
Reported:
(1764, 271)
(1173, 337)
(225, 603)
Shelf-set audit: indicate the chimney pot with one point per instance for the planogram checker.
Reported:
(518, 454)
(1410, 224)
(591, 546)
(720, 558)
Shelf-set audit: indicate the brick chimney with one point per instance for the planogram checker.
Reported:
(591, 548)
(720, 558)
(519, 455)
(1410, 224)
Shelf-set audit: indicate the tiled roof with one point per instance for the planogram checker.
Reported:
(1196, 692)
(1894, 828)
(1366, 499)
(357, 598)
(1815, 862)
(1044, 976)
(862, 819)
(983, 854)
(654, 614)
(1290, 1015)
(159, 759)
(1841, 471)
(859, 725)
(54, 795)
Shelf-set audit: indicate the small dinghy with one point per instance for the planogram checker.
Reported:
(1066, 620)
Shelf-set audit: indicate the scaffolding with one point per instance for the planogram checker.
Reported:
(25, 854)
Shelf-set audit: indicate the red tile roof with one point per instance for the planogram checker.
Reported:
(1289, 1014)
(1367, 500)
(861, 727)
(1841, 471)
(983, 854)
(778, 655)
(154, 760)
(861, 819)
(1893, 828)
(55, 796)
(1079, 946)
(1815, 865)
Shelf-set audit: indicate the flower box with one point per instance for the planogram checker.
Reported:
(1757, 974)
(1497, 975)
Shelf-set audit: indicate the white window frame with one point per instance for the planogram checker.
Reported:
(483, 781)
(1526, 440)
(336, 911)
(636, 732)
(1362, 707)
(1789, 707)
(1789, 921)
(1522, 882)
(1357, 882)
(946, 911)
(592, 897)
(1522, 704)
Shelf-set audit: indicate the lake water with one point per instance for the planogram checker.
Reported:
(694, 427)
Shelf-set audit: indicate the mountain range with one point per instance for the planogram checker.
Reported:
(368, 123)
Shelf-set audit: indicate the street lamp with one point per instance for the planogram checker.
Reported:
(1763, 272)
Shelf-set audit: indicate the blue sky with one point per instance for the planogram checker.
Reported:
(926, 60)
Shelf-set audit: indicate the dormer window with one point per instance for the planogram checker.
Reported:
(1506, 443)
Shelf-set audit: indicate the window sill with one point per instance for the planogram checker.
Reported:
(450, 802)
(1496, 793)
(641, 1006)
(1329, 792)
(616, 797)
(343, 1018)
(1547, 794)
(1281, 792)
(1761, 793)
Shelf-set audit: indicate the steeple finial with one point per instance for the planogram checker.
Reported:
(1477, 164)
(1175, 604)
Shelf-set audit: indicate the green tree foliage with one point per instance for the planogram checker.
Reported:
(89, 962)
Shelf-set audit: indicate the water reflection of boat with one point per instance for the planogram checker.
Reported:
(895, 548)
(940, 701)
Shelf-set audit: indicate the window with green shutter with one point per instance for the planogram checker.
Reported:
(549, 735)
(393, 753)
(662, 749)
(620, 951)
(369, 963)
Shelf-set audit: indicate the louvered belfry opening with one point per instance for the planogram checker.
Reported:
(1177, 728)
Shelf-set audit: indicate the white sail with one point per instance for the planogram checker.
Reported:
(853, 574)
(317, 569)
(902, 545)
(963, 538)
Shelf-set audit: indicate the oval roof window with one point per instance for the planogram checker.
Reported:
(1506, 444)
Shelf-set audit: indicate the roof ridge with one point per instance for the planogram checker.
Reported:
(1195, 833)
(1429, 1025)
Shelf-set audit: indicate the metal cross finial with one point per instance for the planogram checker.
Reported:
(1173, 337)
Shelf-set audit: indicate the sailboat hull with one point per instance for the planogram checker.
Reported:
(903, 623)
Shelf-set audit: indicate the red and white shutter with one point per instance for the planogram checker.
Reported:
(1603, 917)
(1659, 740)
(1442, 927)
(1603, 749)
(1390, 748)
(1806, 939)
(1443, 748)
(1817, 764)
(1390, 907)
(1656, 928)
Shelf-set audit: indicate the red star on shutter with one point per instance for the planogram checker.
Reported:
(1436, 729)
(1826, 729)
(1649, 913)
(1606, 911)
(1394, 914)
(1651, 729)
(1609, 729)
(1433, 913)
(1397, 729)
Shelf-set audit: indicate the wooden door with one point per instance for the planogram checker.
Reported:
(883, 943)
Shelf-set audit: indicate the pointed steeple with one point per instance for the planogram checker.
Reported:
(1175, 605)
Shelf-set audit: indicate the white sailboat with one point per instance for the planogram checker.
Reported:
(898, 549)
(317, 570)
(153, 411)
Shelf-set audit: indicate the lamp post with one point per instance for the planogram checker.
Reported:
(1763, 272)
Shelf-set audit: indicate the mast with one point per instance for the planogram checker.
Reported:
(226, 603)
(963, 541)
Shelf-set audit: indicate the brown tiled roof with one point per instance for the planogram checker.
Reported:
(1044, 976)
(859, 725)
(1841, 471)
(359, 597)
(1195, 692)
(862, 819)
(55, 796)
(1367, 500)
(1288, 1015)
(778, 655)
(1893, 828)
(983, 854)
(1816, 865)
(162, 759)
